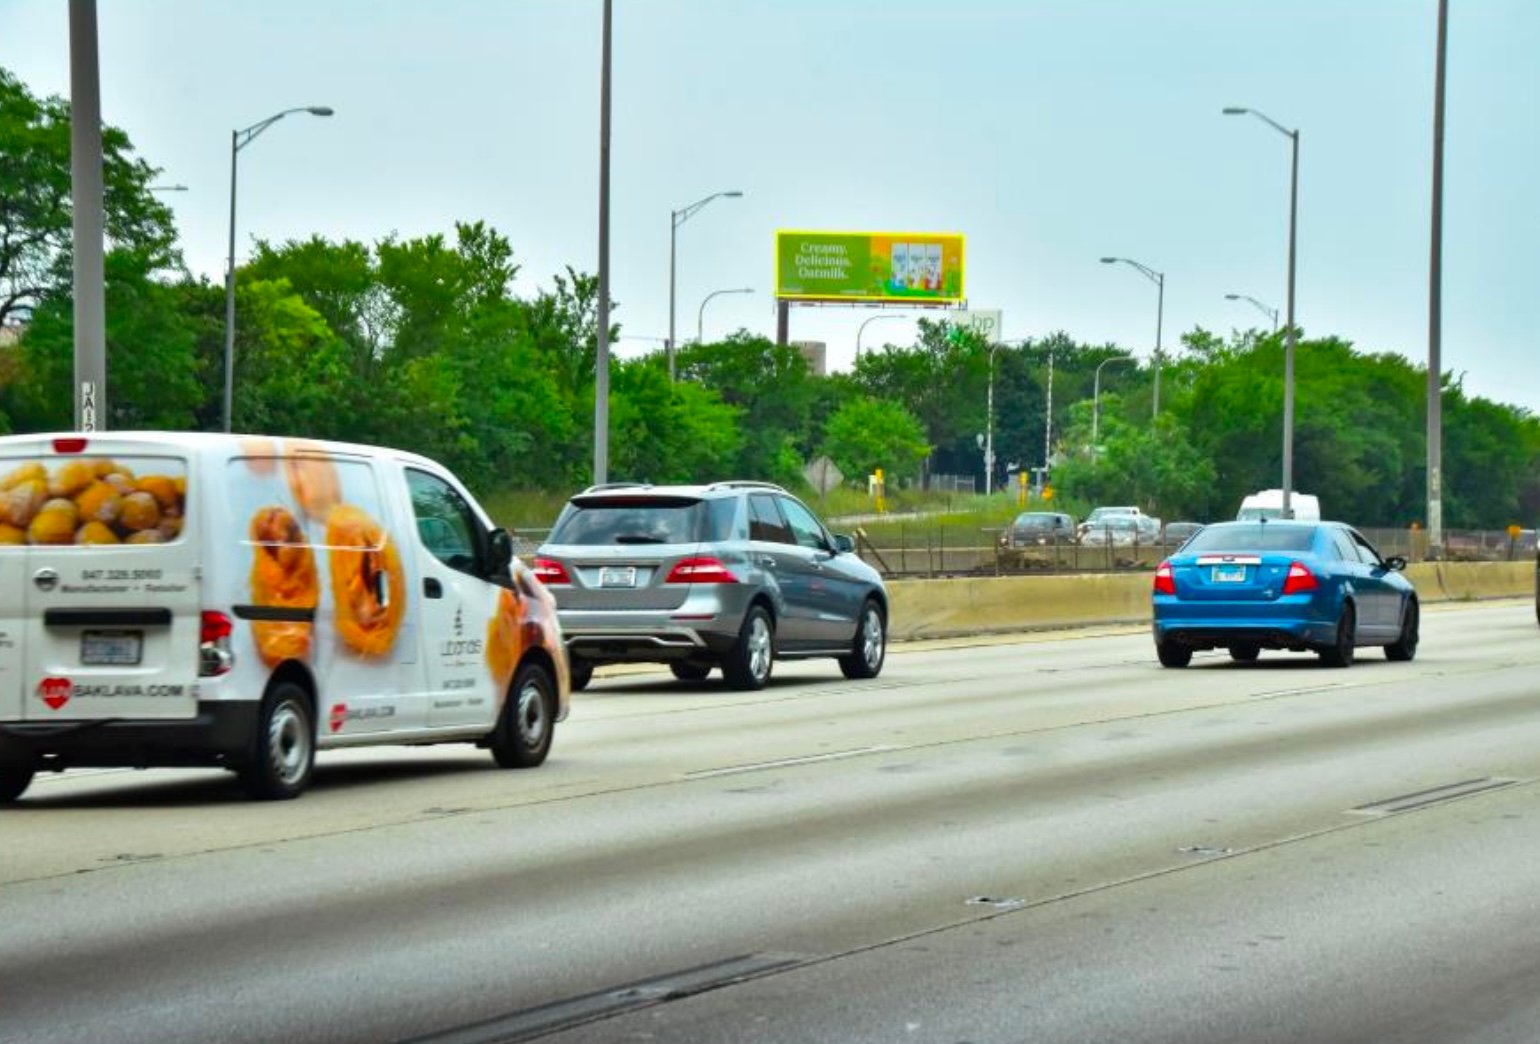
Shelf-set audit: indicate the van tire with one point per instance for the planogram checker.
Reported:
(747, 665)
(282, 758)
(14, 781)
(522, 738)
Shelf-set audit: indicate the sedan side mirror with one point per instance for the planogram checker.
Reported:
(500, 548)
(1395, 562)
(844, 544)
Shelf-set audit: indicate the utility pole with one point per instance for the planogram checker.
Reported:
(1435, 306)
(602, 356)
(88, 219)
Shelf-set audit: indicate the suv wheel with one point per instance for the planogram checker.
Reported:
(14, 781)
(689, 671)
(579, 674)
(748, 663)
(870, 645)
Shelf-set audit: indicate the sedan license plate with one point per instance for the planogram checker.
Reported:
(617, 576)
(111, 648)
(1235, 574)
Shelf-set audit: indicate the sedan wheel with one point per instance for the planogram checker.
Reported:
(1172, 654)
(1405, 645)
(1340, 652)
(1245, 652)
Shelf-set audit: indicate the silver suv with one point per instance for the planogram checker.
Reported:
(733, 575)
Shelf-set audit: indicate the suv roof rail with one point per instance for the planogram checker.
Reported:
(601, 487)
(746, 484)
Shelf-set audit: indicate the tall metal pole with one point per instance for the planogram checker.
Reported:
(1435, 306)
(673, 242)
(88, 219)
(989, 426)
(1160, 311)
(229, 397)
(1096, 399)
(1048, 421)
(602, 357)
(1290, 336)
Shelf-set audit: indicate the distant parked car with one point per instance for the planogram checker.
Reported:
(1303, 586)
(1038, 529)
(1120, 531)
(1175, 534)
(734, 575)
(1101, 515)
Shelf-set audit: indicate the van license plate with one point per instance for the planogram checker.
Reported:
(617, 576)
(111, 648)
(1230, 574)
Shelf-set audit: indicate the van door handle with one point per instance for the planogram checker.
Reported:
(431, 588)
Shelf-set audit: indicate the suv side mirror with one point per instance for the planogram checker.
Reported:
(500, 548)
(844, 544)
(1395, 562)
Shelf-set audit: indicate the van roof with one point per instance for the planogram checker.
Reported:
(202, 442)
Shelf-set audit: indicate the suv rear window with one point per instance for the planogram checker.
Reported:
(1260, 536)
(630, 520)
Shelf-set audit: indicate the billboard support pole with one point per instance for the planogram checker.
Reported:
(782, 323)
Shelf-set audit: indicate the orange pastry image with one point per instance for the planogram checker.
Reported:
(283, 574)
(22, 501)
(33, 472)
(162, 489)
(138, 511)
(10, 534)
(146, 536)
(261, 454)
(505, 640)
(369, 604)
(55, 523)
(69, 479)
(312, 479)
(99, 502)
(96, 533)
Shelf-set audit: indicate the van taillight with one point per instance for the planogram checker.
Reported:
(1299, 580)
(700, 571)
(549, 571)
(214, 654)
(69, 445)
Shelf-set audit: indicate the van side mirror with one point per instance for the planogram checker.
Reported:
(500, 546)
(844, 544)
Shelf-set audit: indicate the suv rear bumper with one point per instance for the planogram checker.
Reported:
(646, 636)
(220, 734)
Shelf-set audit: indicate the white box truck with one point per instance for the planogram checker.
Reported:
(1268, 503)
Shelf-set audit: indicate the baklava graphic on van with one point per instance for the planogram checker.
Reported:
(367, 584)
(505, 640)
(283, 575)
(89, 501)
(312, 479)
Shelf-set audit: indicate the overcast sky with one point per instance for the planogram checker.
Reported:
(1048, 132)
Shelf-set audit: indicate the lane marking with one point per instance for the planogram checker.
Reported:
(805, 759)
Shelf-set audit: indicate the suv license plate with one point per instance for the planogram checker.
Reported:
(111, 648)
(617, 576)
(1230, 574)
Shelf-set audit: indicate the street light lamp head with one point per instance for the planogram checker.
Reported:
(1235, 110)
(1232, 297)
(734, 194)
(319, 110)
(1109, 260)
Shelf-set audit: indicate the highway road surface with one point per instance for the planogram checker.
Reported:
(1043, 838)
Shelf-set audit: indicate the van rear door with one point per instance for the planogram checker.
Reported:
(110, 584)
(13, 604)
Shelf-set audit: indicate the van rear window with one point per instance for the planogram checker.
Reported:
(91, 500)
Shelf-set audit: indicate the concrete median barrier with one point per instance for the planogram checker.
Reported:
(983, 605)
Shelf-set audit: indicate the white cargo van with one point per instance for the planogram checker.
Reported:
(242, 601)
(1269, 504)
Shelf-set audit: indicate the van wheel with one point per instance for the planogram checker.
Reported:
(748, 663)
(283, 751)
(1405, 646)
(14, 781)
(870, 645)
(579, 674)
(687, 671)
(1340, 652)
(522, 738)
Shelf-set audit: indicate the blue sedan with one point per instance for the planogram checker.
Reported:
(1304, 586)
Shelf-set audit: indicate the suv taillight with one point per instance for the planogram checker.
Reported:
(1165, 583)
(1299, 580)
(549, 571)
(214, 654)
(700, 571)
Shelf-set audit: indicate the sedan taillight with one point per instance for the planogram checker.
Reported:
(1299, 580)
(1165, 583)
(549, 571)
(700, 571)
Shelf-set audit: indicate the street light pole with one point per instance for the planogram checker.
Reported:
(677, 218)
(1096, 399)
(1435, 305)
(700, 317)
(601, 473)
(239, 139)
(862, 329)
(1271, 313)
(1290, 333)
(1159, 279)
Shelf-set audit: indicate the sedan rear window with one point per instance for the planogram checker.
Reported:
(1259, 536)
(629, 521)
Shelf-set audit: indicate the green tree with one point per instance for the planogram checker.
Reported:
(1154, 464)
(866, 434)
(772, 388)
(36, 212)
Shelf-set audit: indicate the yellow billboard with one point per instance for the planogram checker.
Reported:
(909, 267)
